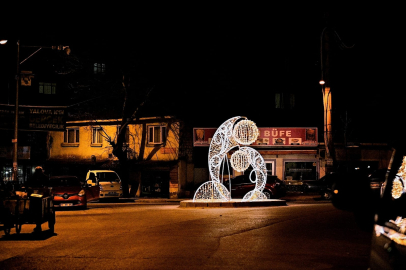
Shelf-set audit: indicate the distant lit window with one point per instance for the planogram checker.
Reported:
(71, 135)
(99, 68)
(97, 135)
(156, 134)
(292, 101)
(279, 101)
(47, 88)
(285, 100)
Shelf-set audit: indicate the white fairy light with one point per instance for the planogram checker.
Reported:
(397, 187)
(399, 183)
(240, 161)
(245, 132)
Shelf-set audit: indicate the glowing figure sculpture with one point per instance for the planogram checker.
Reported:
(226, 137)
(399, 183)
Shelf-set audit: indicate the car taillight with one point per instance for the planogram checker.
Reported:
(82, 193)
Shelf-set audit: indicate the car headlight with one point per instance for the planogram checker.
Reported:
(82, 193)
(101, 188)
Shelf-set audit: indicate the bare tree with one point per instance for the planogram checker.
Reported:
(120, 148)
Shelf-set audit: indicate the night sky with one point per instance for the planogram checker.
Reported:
(235, 57)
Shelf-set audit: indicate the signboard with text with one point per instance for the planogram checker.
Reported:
(38, 118)
(268, 137)
(23, 152)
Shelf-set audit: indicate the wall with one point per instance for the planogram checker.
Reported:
(84, 150)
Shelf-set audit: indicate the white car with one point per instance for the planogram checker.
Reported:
(108, 181)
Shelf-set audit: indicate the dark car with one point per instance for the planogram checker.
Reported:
(322, 186)
(241, 185)
(354, 190)
(388, 245)
(69, 191)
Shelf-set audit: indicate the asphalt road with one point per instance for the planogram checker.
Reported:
(309, 235)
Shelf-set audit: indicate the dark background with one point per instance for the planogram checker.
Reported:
(212, 62)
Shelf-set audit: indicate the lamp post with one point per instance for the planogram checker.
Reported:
(16, 111)
(326, 90)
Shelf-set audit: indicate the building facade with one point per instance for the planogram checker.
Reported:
(152, 146)
(294, 154)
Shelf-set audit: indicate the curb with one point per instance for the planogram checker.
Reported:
(232, 204)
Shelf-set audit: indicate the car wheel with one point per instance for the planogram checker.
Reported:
(268, 194)
(326, 195)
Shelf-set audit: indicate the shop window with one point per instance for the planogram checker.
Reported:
(47, 88)
(301, 170)
(71, 136)
(156, 134)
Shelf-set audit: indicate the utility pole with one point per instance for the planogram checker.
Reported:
(326, 90)
(16, 112)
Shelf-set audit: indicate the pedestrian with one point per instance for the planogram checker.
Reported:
(38, 180)
(37, 187)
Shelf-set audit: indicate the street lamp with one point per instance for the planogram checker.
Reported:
(325, 36)
(3, 41)
(326, 90)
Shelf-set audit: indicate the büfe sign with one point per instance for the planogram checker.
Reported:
(269, 136)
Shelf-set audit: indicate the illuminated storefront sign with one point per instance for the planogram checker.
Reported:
(268, 137)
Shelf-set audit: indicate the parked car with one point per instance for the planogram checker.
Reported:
(69, 191)
(355, 190)
(388, 245)
(241, 185)
(322, 186)
(108, 181)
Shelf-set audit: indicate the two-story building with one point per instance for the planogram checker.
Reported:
(153, 146)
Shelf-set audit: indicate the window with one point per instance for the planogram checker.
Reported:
(71, 135)
(47, 88)
(301, 170)
(97, 137)
(156, 134)
(279, 101)
(285, 100)
(99, 68)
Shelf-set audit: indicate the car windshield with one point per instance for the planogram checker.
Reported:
(64, 182)
(107, 177)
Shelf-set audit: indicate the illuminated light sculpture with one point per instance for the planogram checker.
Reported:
(399, 183)
(229, 135)
(240, 161)
(245, 132)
